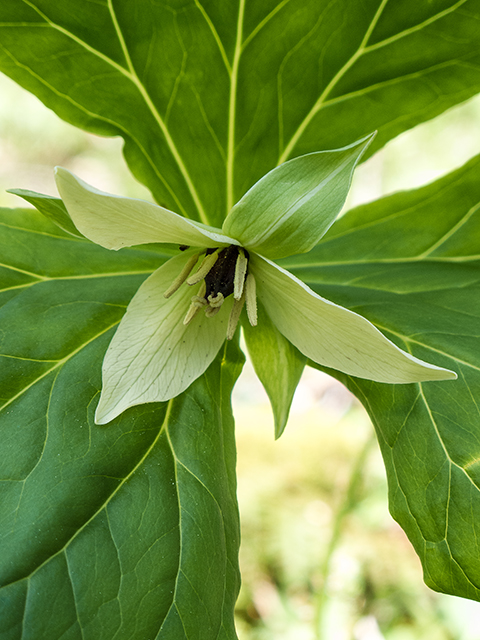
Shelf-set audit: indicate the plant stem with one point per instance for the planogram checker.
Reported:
(348, 504)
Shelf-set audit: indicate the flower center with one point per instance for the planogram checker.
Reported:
(221, 277)
(222, 272)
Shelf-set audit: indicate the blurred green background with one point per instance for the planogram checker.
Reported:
(321, 557)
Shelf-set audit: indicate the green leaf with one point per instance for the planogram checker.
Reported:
(114, 531)
(291, 208)
(410, 263)
(51, 207)
(277, 363)
(210, 96)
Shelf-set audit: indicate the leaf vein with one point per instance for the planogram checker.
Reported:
(442, 444)
(331, 85)
(264, 22)
(70, 577)
(217, 38)
(232, 108)
(147, 99)
(417, 27)
(407, 76)
(108, 500)
(451, 232)
(132, 76)
(58, 363)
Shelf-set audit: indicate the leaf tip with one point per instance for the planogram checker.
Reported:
(280, 425)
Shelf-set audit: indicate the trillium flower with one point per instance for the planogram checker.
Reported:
(181, 315)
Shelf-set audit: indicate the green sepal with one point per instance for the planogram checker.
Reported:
(278, 364)
(51, 207)
(291, 207)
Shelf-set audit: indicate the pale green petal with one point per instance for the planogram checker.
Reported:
(333, 336)
(115, 222)
(291, 207)
(153, 355)
(277, 363)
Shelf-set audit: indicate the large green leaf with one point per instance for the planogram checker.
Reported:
(131, 530)
(211, 95)
(410, 263)
(126, 531)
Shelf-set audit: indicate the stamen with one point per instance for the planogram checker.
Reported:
(216, 301)
(191, 313)
(198, 302)
(211, 311)
(182, 276)
(240, 271)
(222, 272)
(234, 317)
(214, 304)
(251, 299)
(204, 268)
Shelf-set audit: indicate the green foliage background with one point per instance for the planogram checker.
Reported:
(131, 530)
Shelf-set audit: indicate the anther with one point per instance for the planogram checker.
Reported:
(182, 276)
(234, 316)
(198, 302)
(240, 271)
(251, 299)
(191, 313)
(204, 268)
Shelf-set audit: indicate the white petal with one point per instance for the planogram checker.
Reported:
(153, 356)
(115, 222)
(332, 335)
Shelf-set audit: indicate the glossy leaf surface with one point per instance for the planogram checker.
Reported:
(112, 530)
(416, 275)
(209, 96)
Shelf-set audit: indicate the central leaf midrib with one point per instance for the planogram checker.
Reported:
(230, 165)
(158, 118)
